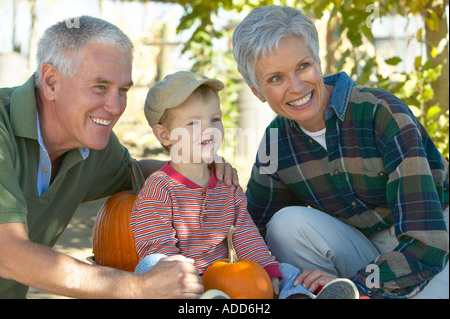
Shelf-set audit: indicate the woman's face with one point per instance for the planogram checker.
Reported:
(290, 81)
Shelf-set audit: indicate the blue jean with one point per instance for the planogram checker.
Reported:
(288, 271)
(311, 239)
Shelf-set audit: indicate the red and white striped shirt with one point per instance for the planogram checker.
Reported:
(173, 215)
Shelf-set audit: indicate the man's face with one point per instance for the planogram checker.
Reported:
(89, 104)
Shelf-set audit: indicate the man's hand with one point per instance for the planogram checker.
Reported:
(225, 172)
(173, 277)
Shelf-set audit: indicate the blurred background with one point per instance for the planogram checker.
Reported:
(397, 45)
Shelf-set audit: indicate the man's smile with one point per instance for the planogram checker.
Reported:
(101, 121)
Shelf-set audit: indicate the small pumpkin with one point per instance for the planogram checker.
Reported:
(112, 240)
(239, 279)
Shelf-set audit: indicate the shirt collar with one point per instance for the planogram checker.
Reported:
(23, 110)
(169, 170)
(340, 95)
(84, 152)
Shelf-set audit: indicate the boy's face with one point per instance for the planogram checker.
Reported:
(195, 129)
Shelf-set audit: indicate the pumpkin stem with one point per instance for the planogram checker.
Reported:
(232, 257)
(137, 178)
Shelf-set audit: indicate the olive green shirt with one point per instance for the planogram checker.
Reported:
(79, 180)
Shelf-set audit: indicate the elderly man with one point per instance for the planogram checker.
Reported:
(57, 150)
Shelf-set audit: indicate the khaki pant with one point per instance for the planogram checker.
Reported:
(310, 239)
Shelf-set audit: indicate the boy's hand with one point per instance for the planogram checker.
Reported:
(276, 287)
(313, 280)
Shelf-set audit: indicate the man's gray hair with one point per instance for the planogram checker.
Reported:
(62, 43)
(261, 31)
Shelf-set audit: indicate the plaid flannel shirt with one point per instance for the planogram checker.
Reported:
(380, 169)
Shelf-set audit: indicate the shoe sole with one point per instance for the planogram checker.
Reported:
(214, 294)
(340, 288)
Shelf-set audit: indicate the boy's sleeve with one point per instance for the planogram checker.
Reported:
(247, 240)
(151, 219)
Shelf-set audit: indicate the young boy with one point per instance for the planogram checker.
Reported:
(183, 209)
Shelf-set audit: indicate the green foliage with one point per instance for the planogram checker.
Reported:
(199, 15)
(350, 24)
(215, 63)
(353, 20)
(416, 91)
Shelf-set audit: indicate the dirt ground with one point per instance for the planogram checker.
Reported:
(75, 241)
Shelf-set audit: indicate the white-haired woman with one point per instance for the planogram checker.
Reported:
(359, 190)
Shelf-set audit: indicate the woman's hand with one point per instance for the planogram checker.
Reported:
(314, 279)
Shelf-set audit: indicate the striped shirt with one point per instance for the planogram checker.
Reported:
(173, 215)
(381, 168)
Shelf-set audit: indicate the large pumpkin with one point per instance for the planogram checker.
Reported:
(239, 279)
(112, 240)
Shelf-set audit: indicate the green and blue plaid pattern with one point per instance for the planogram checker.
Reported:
(381, 168)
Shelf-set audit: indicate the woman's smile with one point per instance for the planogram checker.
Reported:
(301, 103)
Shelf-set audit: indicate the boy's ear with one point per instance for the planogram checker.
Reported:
(162, 134)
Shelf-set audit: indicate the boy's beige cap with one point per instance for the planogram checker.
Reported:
(172, 91)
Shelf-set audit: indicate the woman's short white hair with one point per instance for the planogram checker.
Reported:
(261, 31)
(62, 43)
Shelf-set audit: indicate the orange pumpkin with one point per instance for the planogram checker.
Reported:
(239, 279)
(112, 240)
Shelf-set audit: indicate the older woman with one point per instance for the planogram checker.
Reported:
(359, 190)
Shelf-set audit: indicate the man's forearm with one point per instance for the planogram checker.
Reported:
(41, 267)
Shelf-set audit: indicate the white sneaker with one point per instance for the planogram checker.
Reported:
(214, 294)
(340, 288)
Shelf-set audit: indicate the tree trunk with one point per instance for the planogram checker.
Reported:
(433, 39)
